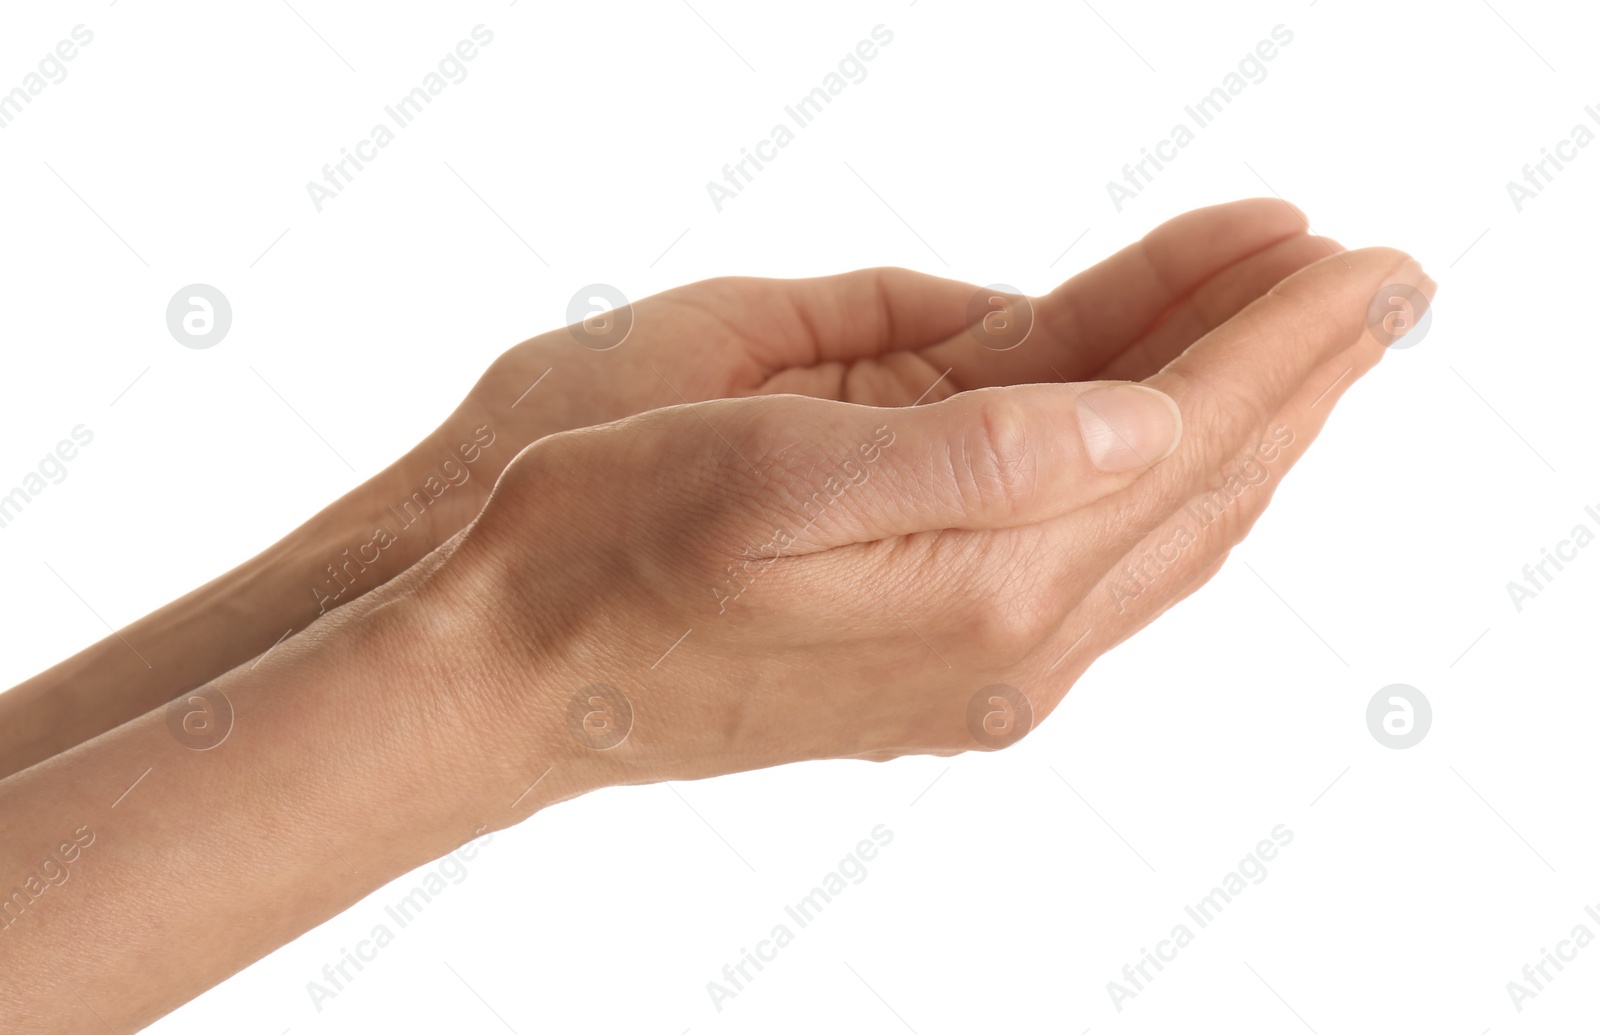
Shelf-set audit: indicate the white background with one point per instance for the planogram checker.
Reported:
(1419, 881)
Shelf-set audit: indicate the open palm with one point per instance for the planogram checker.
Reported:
(893, 337)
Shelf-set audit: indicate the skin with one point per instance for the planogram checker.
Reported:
(982, 528)
(881, 337)
(982, 547)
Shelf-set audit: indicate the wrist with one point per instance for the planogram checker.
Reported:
(483, 706)
(549, 384)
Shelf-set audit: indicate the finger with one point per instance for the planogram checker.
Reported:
(1233, 379)
(1304, 343)
(1063, 659)
(1231, 382)
(1082, 325)
(994, 458)
(848, 316)
(1213, 304)
(1187, 550)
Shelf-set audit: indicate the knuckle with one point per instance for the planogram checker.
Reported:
(518, 504)
(790, 475)
(1061, 315)
(1011, 624)
(768, 479)
(760, 438)
(519, 477)
(998, 468)
(533, 466)
(1230, 412)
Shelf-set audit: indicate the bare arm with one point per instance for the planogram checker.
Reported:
(349, 761)
(325, 563)
(880, 337)
(519, 665)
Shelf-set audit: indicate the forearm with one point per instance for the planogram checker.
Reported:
(356, 544)
(355, 754)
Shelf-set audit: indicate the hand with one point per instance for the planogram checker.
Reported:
(1006, 535)
(892, 337)
(875, 337)
(921, 556)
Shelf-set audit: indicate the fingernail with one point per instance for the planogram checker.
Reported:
(1126, 427)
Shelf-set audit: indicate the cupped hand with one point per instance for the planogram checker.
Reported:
(883, 337)
(709, 588)
(877, 337)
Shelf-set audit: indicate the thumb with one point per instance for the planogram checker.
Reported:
(986, 459)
